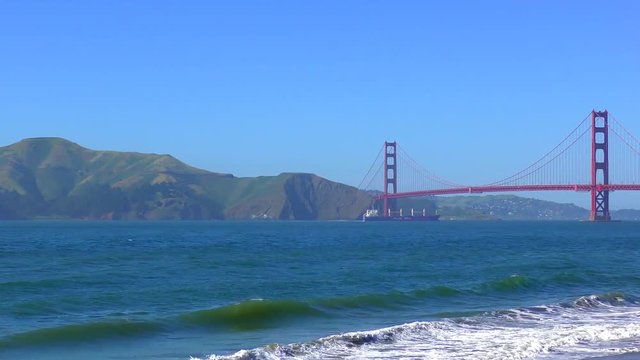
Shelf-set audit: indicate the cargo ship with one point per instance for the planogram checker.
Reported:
(373, 215)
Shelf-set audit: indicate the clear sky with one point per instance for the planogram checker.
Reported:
(474, 90)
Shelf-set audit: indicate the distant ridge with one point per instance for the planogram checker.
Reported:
(56, 178)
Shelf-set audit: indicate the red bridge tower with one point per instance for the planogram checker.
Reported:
(599, 166)
(390, 173)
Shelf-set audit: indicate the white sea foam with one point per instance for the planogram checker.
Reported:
(588, 327)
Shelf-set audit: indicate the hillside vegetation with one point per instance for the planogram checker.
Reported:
(55, 178)
(494, 207)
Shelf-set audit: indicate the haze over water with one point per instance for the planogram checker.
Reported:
(438, 290)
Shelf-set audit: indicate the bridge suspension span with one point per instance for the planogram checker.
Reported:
(598, 156)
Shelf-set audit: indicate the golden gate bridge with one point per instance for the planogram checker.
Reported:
(599, 156)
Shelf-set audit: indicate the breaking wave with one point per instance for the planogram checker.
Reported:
(589, 326)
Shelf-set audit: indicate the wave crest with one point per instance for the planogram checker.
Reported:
(251, 314)
(512, 283)
(615, 298)
(511, 334)
(387, 300)
(80, 333)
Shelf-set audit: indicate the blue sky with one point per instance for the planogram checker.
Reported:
(474, 90)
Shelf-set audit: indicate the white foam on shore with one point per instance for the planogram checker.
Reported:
(589, 327)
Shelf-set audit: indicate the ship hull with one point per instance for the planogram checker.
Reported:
(402, 218)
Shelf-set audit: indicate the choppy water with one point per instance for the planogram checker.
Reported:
(317, 290)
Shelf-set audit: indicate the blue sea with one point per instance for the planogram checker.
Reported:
(319, 290)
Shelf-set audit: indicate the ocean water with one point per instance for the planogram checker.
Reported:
(318, 290)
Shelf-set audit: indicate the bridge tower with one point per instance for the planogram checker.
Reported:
(599, 166)
(390, 174)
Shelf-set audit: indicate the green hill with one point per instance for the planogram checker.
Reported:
(494, 207)
(55, 178)
(508, 207)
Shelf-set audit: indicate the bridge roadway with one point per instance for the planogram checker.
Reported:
(507, 188)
